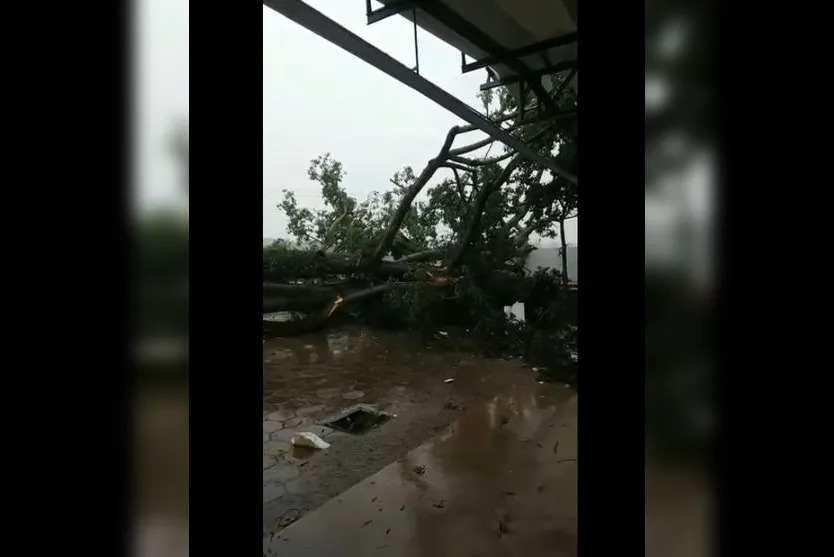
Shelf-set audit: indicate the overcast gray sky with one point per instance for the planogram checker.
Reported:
(316, 99)
(319, 99)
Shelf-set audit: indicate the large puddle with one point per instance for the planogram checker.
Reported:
(311, 380)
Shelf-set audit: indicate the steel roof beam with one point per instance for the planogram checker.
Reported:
(321, 25)
(542, 46)
(547, 70)
(466, 29)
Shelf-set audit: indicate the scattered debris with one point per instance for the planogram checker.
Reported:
(503, 525)
(441, 334)
(388, 531)
(419, 470)
(374, 499)
(450, 405)
(509, 493)
(566, 460)
(449, 380)
(366, 523)
(439, 505)
(403, 507)
(504, 420)
(556, 446)
(289, 516)
(539, 445)
(311, 440)
(534, 369)
(303, 464)
(541, 488)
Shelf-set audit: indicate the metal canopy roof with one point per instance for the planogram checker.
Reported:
(513, 60)
(521, 40)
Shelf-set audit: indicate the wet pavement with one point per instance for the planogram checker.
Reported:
(311, 380)
(500, 481)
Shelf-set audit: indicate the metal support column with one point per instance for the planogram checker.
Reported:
(321, 25)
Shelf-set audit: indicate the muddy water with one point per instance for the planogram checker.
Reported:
(500, 481)
(309, 381)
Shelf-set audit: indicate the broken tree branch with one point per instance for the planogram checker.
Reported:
(469, 148)
(484, 162)
(408, 197)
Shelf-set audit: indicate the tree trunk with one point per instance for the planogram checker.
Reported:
(317, 319)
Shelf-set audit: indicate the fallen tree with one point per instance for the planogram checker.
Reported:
(463, 244)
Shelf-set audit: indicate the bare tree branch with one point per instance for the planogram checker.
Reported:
(531, 200)
(453, 166)
(408, 197)
(461, 189)
(484, 162)
(469, 148)
(480, 204)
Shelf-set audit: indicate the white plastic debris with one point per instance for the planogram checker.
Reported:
(449, 380)
(535, 370)
(307, 439)
(441, 334)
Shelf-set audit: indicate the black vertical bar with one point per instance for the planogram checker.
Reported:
(416, 49)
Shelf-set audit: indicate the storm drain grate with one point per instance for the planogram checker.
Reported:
(359, 421)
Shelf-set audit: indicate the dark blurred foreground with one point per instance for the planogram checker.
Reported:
(680, 276)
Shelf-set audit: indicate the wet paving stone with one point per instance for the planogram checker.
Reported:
(281, 473)
(273, 491)
(281, 415)
(293, 423)
(270, 426)
(310, 410)
(295, 486)
(283, 436)
(277, 448)
(320, 430)
(269, 461)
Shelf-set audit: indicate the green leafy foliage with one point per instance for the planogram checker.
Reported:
(502, 199)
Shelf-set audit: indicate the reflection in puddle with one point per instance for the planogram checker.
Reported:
(493, 486)
(347, 363)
